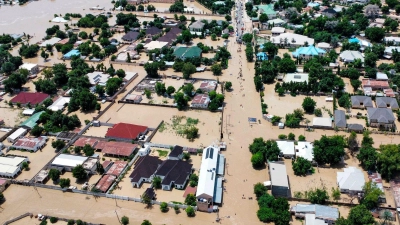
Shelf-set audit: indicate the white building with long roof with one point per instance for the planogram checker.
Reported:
(209, 188)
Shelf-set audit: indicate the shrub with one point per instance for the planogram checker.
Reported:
(53, 220)
(291, 136)
(282, 136)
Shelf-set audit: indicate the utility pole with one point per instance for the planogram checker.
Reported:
(117, 216)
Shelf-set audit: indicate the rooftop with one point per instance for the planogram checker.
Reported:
(98, 78)
(201, 99)
(155, 45)
(116, 148)
(286, 147)
(350, 56)
(117, 168)
(28, 66)
(32, 121)
(320, 211)
(187, 52)
(29, 97)
(105, 183)
(176, 151)
(29, 142)
(125, 131)
(296, 77)
(278, 174)
(308, 51)
(69, 160)
(351, 179)
(381, 115)
(82, 141)
(145, 167)
(175, 171)
(292, 38)
(340, 118)
(305, 150)
(208, 173)
(384, 102)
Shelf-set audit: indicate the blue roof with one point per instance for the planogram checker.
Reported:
(313, 4)
(221, 164)
(354, 40)
(218, 191)
(310, 50)
(262, 56)
(71, 53)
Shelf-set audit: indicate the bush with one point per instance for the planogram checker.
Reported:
(291, 136)
(125, 220)
(190, 211)
(318, 112)
(302, 138)
(282, 136)
(53, 220)
(164, 207)
(259, 189)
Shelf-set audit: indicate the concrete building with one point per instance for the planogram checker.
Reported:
(308, 52)
(59, 104)
(375, 84)
(174, 174)
(292, 40)
(176, 153)
(387, 102)
(392, 40)
(30, 144)
(196, 26)
(381, 118)
(144, 170)
(11, 166)
(296, 77)
(98, 78)
(305, 150)
(277, 31)
(322, 122)
(312, 212)
(279, 179)
(287, 148)
(340, 119)
(31, 67)
(209, 85)
(68, 162)
(126, 131)
(209, 188)
(351, 180)
(33, 98)
(200, 101)
(361, 102)
(351, 56)
(133, 98)
(20, 132)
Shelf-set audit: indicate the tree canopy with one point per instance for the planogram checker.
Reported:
(329, 150)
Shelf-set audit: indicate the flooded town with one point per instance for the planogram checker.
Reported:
(199, 112)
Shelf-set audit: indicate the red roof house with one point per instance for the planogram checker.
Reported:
(105, 183)
(81, 142)
(117, 168)
(114, 148)
(28, 97)
(126, 131)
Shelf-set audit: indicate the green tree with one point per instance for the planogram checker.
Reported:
(164, 207)
(228, 85)
(360, 215)
(387, 160)
(263, 18)
(216, 69)
(301, 166)
(291, 136)
(247, 38)
(180, 100)
(156, 182)
(186, 36)
(151, 69)
(257, 160)
(160, 88)
(188, 69)
(352, 142)
(375, 34)
(266, 200)
(79, 172)
(287, 65)
(37, 131)
(329, 149)
(146, 222)
(308, 105)
(88, 150)
(260, 190)
(318, 196)
(54, 174)
(190, 200)
(64, 182)
(367, 156)
(15, 81)
(190, 211)
(170, 90)
(371, 195)
(266, 215)
(58, 144)
(355, 84)
(125, 220)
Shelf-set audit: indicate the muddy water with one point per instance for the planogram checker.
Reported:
(33, 18)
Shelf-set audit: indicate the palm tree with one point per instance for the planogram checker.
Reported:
(47, 73)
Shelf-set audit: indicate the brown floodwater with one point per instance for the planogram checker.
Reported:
(33, 18)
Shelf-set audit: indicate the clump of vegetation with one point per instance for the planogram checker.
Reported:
(188, 129)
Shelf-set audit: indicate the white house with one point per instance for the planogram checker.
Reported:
(277, 31)
(11, 166)
(31, 67)
(59, 104)
(393, 40)
(209, 188)
(200, 101)
(144, 151)
(291, 39)
(68, 162)
(98, 78)
(351, 56)
(287, 148)
(133, 98)
(305, 150)
(17, 134)
(389, 51)
(351, 180)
